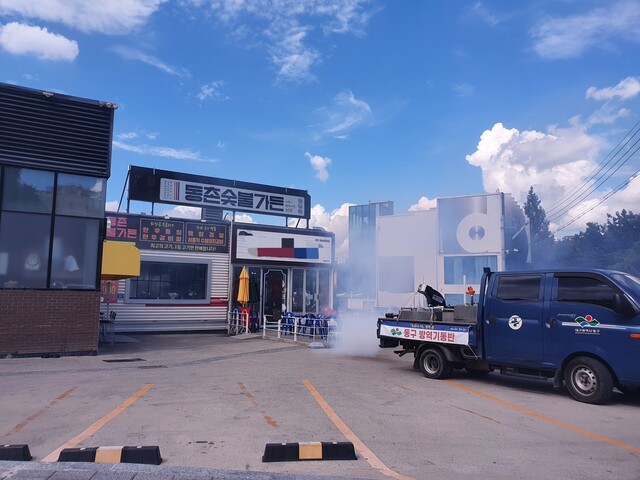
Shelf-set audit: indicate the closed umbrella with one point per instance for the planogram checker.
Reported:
(243, 287)
(243, 296)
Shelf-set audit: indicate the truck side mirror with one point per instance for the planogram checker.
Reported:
(623, 305)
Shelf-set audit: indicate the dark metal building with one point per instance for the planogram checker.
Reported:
(55, 159)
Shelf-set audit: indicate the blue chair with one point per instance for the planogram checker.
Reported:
(287, 323)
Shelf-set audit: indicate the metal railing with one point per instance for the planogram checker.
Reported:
(306, 328)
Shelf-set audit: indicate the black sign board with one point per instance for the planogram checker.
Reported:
(155, 233)
(162, 186)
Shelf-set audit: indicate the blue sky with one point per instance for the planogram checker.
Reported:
(353, 100)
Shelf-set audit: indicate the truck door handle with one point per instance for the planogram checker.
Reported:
(491, 318)
(552, 322)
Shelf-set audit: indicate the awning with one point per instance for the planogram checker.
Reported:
(120, 260)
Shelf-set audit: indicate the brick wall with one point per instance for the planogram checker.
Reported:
(36, 322)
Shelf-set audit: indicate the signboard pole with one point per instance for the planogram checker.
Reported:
(230, 285)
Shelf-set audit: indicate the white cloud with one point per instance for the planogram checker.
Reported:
(127, 135)
(212, 90)
(607, 115)
(345, 114)
(625, 89)
(167, 152)
(182, 211)
(337, 222)
(112, 206)
(113, 16)
(480, 11)
(463, 89)
(320, 165)
(567, 37)
(132, 54)
(20, 39)
(554, 163)
(285, 27)
(424, 203)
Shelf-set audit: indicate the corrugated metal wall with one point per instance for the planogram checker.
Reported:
(56, 132)
(136, 317)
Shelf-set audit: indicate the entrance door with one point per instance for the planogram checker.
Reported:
(274, 295)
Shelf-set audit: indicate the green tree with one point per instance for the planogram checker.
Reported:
(542, 240)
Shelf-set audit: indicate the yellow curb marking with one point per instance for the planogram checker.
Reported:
(367, 454)
(53, 456)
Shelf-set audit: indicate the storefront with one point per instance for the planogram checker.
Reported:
(183, 274)
(290, 269)
(190, 269)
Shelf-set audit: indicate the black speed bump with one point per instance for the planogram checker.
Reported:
(19, 453)
(149, 455)
(290, 452)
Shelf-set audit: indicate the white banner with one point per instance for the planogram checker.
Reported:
(439, 334)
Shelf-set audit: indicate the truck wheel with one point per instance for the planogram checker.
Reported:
(588, 380)
(434, 364)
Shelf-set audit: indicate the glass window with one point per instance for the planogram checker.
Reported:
(170, 282)
(469, 268)
(74, 257)
(80, 196)
(454, 298)
(297, 301)
(324, 289)
(24, 250)
(27, 190)
(585, 290)
(311, 291)
(519, 287)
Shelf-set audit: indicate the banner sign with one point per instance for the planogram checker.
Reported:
(155, 233)
(438, 333)
(254, 244)
(152, 185)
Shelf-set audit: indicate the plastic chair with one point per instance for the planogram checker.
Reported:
(287, 323)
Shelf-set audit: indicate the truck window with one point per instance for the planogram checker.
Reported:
(585, 290)
(519, 287)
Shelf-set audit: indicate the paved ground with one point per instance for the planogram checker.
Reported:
(212, 402)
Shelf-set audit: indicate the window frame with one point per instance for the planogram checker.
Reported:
(180, 301)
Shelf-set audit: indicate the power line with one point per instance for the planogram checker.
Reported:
(595, 178)
(582, 214)
(609, 173)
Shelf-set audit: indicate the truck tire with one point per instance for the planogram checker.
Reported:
(588, 380)
(434, 364)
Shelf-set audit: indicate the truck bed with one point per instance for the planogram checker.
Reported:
(437, 324)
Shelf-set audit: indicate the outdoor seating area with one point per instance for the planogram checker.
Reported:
(302, 327)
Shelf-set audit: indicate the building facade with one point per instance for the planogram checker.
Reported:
(447, 247)
(55, 158)
(363, 227)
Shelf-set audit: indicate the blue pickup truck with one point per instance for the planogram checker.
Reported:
(580, 327)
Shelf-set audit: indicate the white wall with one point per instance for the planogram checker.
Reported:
(414, 246)
(408, 238)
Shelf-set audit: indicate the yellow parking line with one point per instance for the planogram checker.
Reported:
(31, 418)
(553, 421)
(368, 455)
(53, 456)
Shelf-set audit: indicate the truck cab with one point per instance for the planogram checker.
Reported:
(582, 325)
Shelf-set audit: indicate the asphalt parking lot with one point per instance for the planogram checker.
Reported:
(212, 401)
